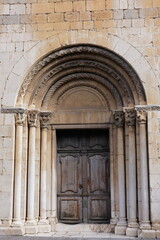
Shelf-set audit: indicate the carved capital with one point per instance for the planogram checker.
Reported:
(141, 117)
(44, 119)
(32, 118)
(118, 118)
(130, 117)
(20, 118)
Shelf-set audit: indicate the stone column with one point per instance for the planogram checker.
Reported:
(32, 121)
(20, 118)
(119, 122)
(45, 116)
(132, 229)
(141, 119)
(54, 179)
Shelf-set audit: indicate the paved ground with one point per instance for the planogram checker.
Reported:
(56, 238)
(68, 236)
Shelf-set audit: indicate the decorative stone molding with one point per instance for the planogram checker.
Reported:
(148, 108)
(119, 118)
(13, 110)
(87, 49)
(79, 63)
(32, 118)
(83, 76)
(141, 117)
(130, 117)
(20, 118)
(44, 119)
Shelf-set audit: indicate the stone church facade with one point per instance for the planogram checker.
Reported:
(80, 115)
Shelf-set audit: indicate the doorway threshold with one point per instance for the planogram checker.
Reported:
(80, 232)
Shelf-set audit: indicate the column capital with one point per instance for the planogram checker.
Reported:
(32, 118)
(20, 118)
(44, 119)
(141, 117)
(119, 118)
(130, 116)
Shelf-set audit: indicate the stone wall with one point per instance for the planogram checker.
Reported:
(29, 29)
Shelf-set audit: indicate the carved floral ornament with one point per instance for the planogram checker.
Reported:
(130, 116)
(119, 117)
(32, 118)
(141, 117)
(20, 118)
(44, 119)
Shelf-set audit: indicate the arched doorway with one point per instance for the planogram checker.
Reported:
(81, 87)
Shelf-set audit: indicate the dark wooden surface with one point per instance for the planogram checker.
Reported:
(83, 176)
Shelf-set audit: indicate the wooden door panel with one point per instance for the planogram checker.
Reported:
(98, 178)
(99, 209)
(70, 173)
(70, 209)
(83, 176)
(68, 141)
(97, 140)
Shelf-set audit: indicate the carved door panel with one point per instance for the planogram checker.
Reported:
(83, 176)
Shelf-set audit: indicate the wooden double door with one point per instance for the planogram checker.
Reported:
(83, 176)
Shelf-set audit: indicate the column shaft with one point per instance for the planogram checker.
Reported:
(121, 176)
(18, 173)
(132, 229)
(119, 122)
(132, 177)
(43, 174)
(54, 175)
(31, 174)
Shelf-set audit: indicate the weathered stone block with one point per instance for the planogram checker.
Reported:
(95, 5)
(131, 13)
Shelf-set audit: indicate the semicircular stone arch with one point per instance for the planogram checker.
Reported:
(26, 68)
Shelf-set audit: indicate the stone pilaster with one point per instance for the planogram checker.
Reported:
(120, 229)
(132, 229)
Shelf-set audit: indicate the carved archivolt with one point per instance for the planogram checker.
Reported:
(74, 63)
(86, 77)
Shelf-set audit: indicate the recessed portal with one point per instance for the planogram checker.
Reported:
(83, 176)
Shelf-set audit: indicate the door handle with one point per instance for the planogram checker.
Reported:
(80, 186)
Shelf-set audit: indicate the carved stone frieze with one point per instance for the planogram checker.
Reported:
(32, 118)
(44, 119)
(141, 117)
(20, 118)
(87, 50)
(119, 118)
(130, 117)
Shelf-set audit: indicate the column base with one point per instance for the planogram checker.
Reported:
(145, 225)
(44, 228)
(12, 231)
(120, 229)
(31, 226)
(131, 232)
(147, 234)
(53, 221)
(17, 223)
